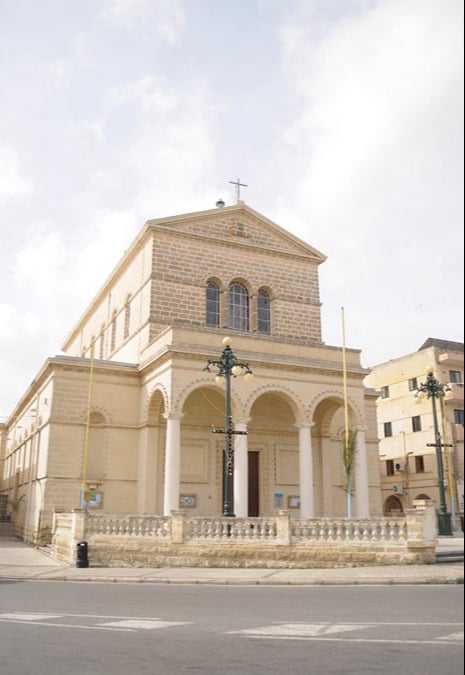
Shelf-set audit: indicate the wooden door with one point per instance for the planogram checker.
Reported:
(254, 484)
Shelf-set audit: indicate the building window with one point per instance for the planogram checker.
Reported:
(102, 343)
(390, 467)
(459, 417)
(127, 318)
(384, 392)
(413, 384)
(416, 423)
(213, 305)
(455, 376)
(264, 312)
(387, 429)
(420, 464)
(239, 307)
(113, 333)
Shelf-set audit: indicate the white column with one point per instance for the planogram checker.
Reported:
(147, 470)
(362, 498)
(172, 463)
(241, 472)
(307, 509)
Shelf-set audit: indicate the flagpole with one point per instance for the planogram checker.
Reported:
(346, 406)
(86, 437)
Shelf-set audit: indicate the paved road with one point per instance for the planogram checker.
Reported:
(102, 629)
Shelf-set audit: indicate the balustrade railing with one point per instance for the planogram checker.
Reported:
(241, 530)
(132, 526)
(349, 530)
(272, 530)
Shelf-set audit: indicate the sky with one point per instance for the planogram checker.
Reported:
(343, 117)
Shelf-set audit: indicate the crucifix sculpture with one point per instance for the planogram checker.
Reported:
(238, 185)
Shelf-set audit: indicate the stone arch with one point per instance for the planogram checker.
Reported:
(96, 410)
(215, 280)
(393, 506)
(284, 392)
(329, 402)
(423, 496)
(237, 404)
(162, 391)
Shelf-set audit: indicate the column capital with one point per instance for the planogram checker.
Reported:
(173, 416)
(305, 424)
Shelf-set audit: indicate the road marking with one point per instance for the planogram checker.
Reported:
(145, 624)
(301, 630)
(125, 624)
(65, 625)
(364, 640)
(22, 616)
(453, 636)
(326, 632)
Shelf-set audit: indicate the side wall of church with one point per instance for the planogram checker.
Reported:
(118, 323)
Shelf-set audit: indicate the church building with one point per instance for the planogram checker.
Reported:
(123, 421)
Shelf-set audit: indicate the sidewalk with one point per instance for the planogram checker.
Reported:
(19, 561)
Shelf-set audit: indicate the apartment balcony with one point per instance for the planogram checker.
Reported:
(458, 432)
(456, 393)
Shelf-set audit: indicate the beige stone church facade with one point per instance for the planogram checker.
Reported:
(125, 416)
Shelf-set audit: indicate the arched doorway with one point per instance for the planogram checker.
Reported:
(202, 452)
(273, 455)
(330, 478)
(393, 506)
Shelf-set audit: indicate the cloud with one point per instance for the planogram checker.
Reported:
(376, 142)
(168, 16)
(170, 150)
(12, 182)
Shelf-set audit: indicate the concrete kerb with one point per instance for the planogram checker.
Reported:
(20, 562)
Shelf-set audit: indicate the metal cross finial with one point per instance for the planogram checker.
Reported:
(238, 185)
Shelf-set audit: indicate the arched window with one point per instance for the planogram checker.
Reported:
(127, 318)
(113, 333)
(102, 343)
(239, 307)
(264, 312)
(213, 304)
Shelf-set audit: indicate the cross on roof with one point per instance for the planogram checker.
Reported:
(238, 185)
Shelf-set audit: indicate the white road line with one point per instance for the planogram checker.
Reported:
(146, 624)
(301, 630)
(66, 625)
(36, 616)
(453, 636)
(365, 640)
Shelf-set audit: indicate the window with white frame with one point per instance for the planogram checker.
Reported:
(239, 307)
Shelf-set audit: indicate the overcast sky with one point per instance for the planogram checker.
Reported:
(344, 117)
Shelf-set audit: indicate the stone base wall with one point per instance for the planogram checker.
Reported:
(279, 542)
(122, 552)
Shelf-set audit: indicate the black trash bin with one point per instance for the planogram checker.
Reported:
(82, 560)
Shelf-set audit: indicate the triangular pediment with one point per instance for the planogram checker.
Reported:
(242, 225)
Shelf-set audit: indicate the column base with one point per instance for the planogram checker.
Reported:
(444, 524)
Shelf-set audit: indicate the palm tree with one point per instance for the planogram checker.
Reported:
(349, 454)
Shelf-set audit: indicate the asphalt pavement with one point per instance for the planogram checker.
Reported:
(20, 561)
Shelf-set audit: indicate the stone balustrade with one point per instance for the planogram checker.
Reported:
(278, 541)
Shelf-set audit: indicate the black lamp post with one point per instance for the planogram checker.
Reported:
(434, 390)
(228, 366)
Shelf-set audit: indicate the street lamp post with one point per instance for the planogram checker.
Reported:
(228, 366)
(435, 390)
